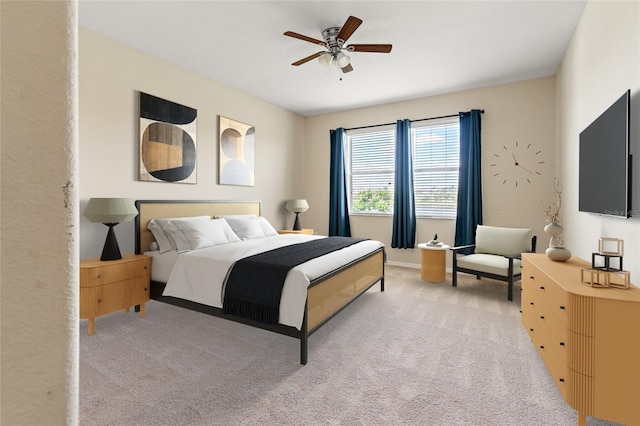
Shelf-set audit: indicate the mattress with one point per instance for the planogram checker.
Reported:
(199, 275)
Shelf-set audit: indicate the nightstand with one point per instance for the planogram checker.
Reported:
(108, 286)
(433, 262)
(291, 231)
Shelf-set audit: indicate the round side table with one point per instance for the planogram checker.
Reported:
(433, 262)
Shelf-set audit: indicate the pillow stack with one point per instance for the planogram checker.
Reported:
(191, 233)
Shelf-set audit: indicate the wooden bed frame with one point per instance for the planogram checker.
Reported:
(326, 295)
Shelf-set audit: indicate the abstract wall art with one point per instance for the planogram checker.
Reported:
(167, 141)
(237, 144)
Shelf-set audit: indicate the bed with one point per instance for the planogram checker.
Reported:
(330, 283)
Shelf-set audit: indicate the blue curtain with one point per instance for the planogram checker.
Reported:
(469, 214)
(338, 204)
(404, 209)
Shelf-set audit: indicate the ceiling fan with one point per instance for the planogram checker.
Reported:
(334, 43)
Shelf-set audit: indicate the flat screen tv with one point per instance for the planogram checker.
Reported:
(605, 161)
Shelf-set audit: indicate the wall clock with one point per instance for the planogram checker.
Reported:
(517, 163)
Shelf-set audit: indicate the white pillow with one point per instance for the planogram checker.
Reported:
(156, 226)
(197, 234)
(248, 227)
(267, 228)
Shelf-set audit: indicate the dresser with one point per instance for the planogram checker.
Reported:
(588, 338)
(109, 286)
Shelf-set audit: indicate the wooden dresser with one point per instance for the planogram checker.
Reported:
(112, 285)
(589, 338)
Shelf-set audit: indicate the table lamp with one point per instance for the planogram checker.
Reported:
(297, 207)
(110, 212)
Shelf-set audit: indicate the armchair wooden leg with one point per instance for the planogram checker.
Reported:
(510, 290)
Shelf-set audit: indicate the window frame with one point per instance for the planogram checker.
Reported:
(391, 128)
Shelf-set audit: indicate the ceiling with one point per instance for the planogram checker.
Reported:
(438, 46)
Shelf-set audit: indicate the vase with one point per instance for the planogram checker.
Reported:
(556, 251)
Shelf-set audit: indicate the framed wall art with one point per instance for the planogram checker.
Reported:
(236, 154)
(167, 141)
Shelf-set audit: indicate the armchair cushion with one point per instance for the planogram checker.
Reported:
(502, 241)
(488, 264)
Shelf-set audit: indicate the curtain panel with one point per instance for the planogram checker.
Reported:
(338, 201)
(404, 210)
(469, 210)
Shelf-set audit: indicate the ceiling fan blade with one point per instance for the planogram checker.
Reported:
(305, 38)
(347, 69)
(377, 48)
(352, 23)
(308, 58)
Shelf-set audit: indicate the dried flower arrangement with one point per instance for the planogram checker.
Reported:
(552, 210)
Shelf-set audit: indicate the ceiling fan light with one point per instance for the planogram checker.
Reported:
(343, 60)
(325, 59)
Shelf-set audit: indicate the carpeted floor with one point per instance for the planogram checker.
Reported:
(419, 353)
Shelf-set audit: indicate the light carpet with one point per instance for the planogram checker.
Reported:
(417, 354)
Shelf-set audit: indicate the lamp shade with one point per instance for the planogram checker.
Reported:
(325, 59)
(110, 210)
(342, 59)
(297, 206)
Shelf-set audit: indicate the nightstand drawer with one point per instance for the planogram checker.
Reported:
(101, 300)
(107, 272)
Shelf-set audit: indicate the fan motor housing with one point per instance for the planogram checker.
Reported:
(330, 35)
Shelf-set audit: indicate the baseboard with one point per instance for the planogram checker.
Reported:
(404, 264)
(409, 265)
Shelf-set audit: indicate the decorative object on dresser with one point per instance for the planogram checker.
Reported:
(603, 274)
(237, 151)
(107, 287)
(297, 207)
(496, 254)
(589, 339)
(556, 251)
(110, 212)
(167, 141)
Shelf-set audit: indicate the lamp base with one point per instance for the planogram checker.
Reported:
(111, 251)
(296, 224)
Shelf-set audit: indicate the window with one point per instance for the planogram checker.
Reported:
(436, 159)
(370, 168)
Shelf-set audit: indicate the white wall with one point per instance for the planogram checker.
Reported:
(522, 111)
(39, 214)
(601, 63)
(111, 74)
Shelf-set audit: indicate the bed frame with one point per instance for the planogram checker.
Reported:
(326, 296)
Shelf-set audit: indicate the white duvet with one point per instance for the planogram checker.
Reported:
(199, 275)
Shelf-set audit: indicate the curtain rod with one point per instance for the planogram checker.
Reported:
(420, 119)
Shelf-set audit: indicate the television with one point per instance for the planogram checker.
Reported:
(604, 184)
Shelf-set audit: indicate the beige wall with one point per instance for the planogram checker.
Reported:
(39, 236)
(111, 74)
(522, 111)
(602, 61)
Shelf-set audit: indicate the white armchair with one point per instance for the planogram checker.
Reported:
(496, 255)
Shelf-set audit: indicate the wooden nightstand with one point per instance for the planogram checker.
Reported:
(291, 231)
(108, 286)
